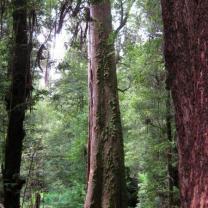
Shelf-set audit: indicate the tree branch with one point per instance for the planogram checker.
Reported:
(124, 15)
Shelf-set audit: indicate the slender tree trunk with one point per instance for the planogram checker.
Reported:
(186, 55)
(16, 106)
(106, 173)
(169, 155)
(37, 200)
(172, 170)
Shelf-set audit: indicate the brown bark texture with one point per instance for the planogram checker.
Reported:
(106, 174)
(186, 56)
(16, 106)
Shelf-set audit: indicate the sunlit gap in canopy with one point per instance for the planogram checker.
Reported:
(57, 45)
(57, 48)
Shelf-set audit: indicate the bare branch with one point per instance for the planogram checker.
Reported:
(124, 15)
(125, 89)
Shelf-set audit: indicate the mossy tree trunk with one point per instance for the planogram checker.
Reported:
(16, 106)
(106, 173)
(186, 56)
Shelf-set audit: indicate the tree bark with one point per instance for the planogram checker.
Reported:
(16, 106)
(106, 173)
(186, 55)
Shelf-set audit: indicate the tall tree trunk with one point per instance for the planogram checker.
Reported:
(16, 106)
(106, 173)
(186, 55)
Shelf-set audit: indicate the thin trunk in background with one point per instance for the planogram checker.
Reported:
(106, 173)
(169, 137)
(172, 152)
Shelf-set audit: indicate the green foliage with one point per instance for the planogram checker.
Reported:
(151, 16)
(69, 198)
(144, 111)
(57, 133)
(4, 85)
